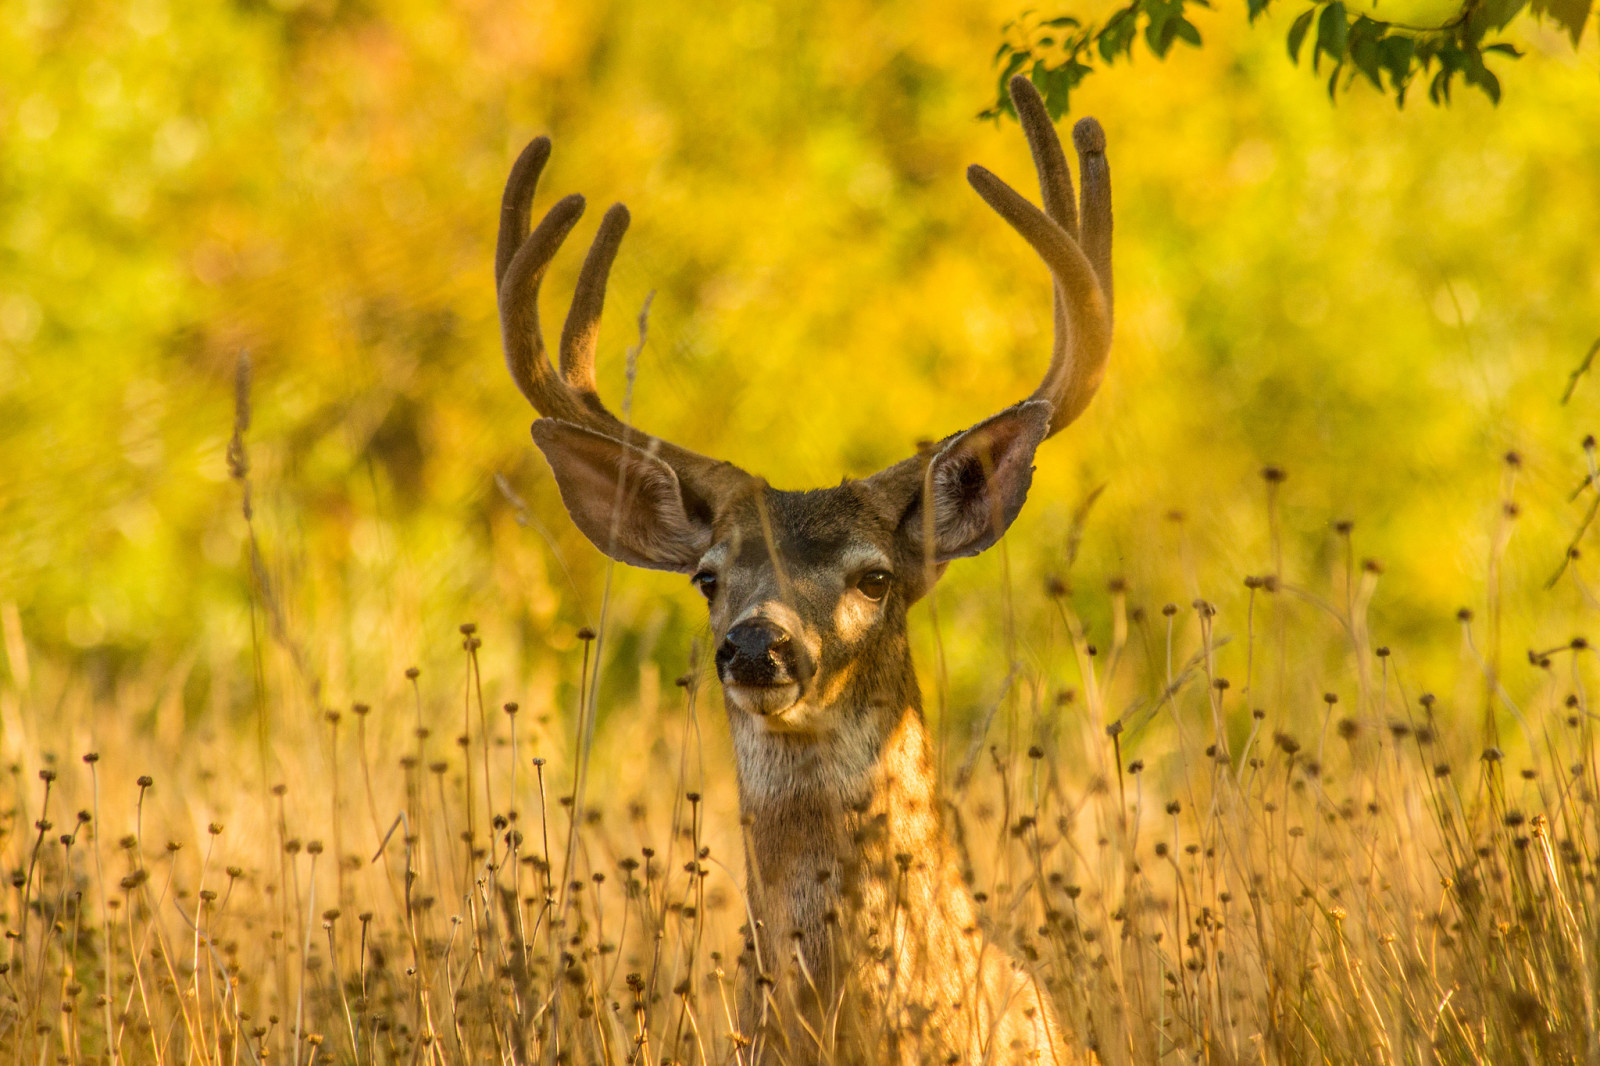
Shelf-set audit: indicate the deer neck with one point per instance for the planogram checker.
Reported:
(833, 819)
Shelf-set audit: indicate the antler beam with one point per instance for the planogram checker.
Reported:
(1075, 245)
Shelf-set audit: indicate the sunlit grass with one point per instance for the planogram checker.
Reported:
(1202, 859)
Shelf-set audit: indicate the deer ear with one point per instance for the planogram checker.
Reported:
(628, 503)
(977, 482)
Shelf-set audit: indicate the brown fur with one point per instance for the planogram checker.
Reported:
(867, 945)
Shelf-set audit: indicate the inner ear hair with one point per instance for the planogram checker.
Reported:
(977, 482)
(626, 500)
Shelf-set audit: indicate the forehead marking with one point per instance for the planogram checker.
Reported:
(861, 556)
(714, 558)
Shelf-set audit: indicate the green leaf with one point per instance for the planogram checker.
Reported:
(1117, 37)
(1490, 83)
(1570, 15)
(1364, 54)
(1297, 33)
(1185, 31)
(1396, 53)
(1333, 31)
(1505, 48)
(1015, 63)
(1156, 32)
(1493, 14)
(1439, 91)
(1257, 7)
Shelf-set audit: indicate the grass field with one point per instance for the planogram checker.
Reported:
(1268, 733)
(1204, 859)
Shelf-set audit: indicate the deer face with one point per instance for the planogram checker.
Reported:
(807, 591)
(795, 611)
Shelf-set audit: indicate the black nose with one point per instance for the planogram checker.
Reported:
(756, 652)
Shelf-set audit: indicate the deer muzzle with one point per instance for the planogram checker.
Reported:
(758, 654)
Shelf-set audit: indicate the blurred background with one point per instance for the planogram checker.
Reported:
(1381, 303)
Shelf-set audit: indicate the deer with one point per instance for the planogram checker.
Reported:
(864, 942)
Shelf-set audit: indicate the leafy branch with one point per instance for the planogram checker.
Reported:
(1394, 56)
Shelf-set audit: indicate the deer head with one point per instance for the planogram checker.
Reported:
(808, 591)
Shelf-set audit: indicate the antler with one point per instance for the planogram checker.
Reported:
(520, 262)
(1075, 245)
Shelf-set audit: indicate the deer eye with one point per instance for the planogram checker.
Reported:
(706, 582)
(874, 584)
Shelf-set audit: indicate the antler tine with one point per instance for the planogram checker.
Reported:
(582, 330)
(516, 204)
(1055, 180)
(1094, 174)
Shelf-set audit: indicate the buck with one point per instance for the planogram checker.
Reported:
(865, 944)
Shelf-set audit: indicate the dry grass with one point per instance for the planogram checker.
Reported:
(1367, 876)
